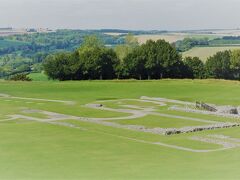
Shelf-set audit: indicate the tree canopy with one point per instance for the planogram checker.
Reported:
(218, 66)
(91, 61)
(152, 60)
(235, 63)
(195, 67)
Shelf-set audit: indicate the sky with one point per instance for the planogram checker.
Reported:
(121, 14)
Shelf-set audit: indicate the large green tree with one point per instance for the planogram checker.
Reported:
(134, 65)
(162, 59)
(98, 62)
(61, 66)
(195, 67)
(122, 51)
(154, 60)
(235, 63)
(218, 66)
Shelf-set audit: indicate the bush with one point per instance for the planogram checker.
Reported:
(20, 77)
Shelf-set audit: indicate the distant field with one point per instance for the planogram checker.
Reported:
(114, 34)
(168, 37)
(201, 36)
(204, 52)
(173, 37)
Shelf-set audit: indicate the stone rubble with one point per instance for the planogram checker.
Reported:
(187, 109)
(227, 110)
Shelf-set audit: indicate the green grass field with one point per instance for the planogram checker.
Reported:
(205, 52)
(38, 77)
(43, 149)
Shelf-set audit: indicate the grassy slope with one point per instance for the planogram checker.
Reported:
(38, 77)
(40, 151)
(204, 52)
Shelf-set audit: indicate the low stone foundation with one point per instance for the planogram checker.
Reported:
(200, 128)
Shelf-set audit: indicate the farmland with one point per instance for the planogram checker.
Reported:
(58, 130)
(167, 37)
(173, 37)
(205, 52)
(219, 40)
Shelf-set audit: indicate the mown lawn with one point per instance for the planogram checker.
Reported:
(152, 121)
(32, 150)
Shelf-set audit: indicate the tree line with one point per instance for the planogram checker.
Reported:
(189, 43)
(152, 60)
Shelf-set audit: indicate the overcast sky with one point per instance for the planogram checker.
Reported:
(124, 14)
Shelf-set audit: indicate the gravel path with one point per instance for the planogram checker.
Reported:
(164, 100)
(53, 119)
(138, 100)
(185, 118)
(223, 142)
(236, 140)
(143, 112)
(135, 113)
(9, 119)
(36, 99)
